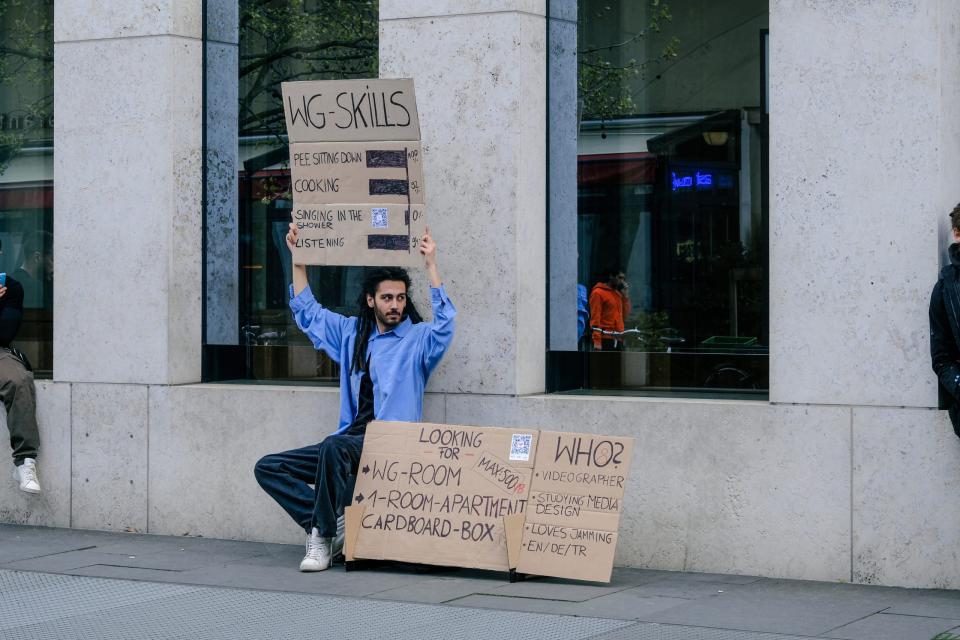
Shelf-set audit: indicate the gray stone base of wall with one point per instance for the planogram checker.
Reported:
(834, 493)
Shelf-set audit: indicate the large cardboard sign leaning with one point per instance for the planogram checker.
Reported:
(540, 502)
(356, 171)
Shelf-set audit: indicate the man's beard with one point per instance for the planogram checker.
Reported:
(386, 320)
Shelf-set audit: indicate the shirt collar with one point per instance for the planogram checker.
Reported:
(400, 330)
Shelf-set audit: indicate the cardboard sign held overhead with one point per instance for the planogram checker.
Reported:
(438, 494)
(576, 499)
(350, 110)
(356, 172)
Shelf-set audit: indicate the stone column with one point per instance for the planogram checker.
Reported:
(127, 236)
(479, 71)
(222, 245)
(564, 128)
(864, 159)
(127, 91)
(863, 171)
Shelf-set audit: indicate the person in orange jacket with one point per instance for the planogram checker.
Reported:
(609, 307)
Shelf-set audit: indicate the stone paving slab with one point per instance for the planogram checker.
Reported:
(656, 605)
(793, 611)
(433, 591)
(615, 606)
(890, 626)
(549, 589)
(117, 609)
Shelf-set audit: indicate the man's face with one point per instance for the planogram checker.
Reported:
(389, 302)
(617, 281)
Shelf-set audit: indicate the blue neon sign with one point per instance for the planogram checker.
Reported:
(684, 182)
(699, 180)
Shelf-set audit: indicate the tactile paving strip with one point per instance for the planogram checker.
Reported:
(40, 606)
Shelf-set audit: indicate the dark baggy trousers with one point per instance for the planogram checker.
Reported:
(20, 399)
(330, 466)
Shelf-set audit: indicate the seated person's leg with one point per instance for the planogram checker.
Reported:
(286, 477)
(339, 459)
(20, 400)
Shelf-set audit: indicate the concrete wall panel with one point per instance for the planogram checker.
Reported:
(52, 507)
(204, 442)
(93, 20)
(728, 487)
(855, 184)
(480, 83)
(128, 211)
(905, 511)
(109, 474)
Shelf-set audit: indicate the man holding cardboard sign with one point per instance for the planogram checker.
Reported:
(386, 356)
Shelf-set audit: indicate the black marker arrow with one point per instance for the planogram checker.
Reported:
(359, 497)
(366, 468)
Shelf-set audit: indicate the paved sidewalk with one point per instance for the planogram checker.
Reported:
(60, 583)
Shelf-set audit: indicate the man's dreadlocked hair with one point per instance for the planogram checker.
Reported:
(367, 320)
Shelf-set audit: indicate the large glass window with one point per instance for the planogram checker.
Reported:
(26, 170)
(658, 142)
(249, 331)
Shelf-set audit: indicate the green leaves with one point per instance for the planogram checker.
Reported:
(607, 80)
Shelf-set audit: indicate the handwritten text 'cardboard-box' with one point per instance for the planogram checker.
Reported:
(438, 494)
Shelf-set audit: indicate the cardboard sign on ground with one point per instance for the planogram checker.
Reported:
(576, 498)
(438, 494)
(368, 172)
(355, 148)
(350, 110)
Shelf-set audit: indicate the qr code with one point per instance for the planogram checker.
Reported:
(520, 446)
(378, 216)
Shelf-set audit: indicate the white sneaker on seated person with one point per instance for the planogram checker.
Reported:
(26, 475)
(319, 555)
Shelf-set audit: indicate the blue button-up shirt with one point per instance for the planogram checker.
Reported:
(401, 360)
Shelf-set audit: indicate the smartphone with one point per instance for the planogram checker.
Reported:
(3, 279)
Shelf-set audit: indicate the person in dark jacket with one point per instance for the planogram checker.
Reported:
(945, 328)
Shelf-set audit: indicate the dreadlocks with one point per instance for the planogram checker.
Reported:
(367, 320)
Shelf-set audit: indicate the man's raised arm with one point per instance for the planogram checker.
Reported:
(324, 327)
(299, 270)
(428, 249)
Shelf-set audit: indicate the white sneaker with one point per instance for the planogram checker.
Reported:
(337, 545)
(318, 556)
(26, 475)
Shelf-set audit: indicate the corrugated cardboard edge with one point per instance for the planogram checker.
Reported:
(513, 527)
(352, 516)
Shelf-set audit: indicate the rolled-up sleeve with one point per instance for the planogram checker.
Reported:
(325, 328)
(440, 334)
